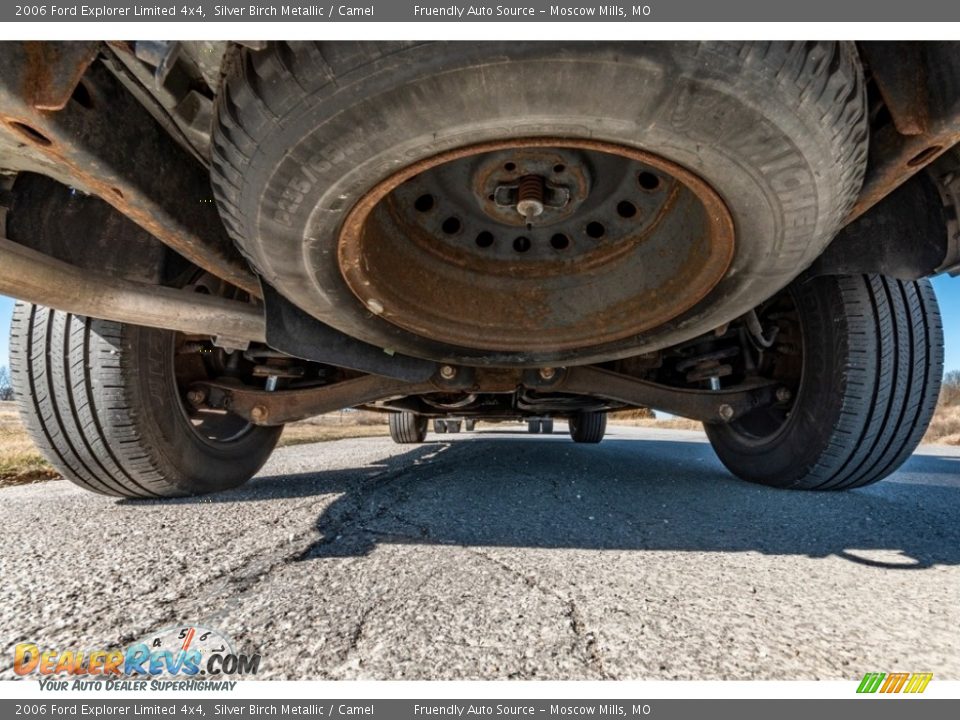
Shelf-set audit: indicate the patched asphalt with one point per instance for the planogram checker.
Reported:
(504, 555)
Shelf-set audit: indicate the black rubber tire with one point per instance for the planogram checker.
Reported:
(453, 426)
(100, 401)
(588, 427)
(304, 129)
(872, 366)
(546, 427)
(470, 425)
(533, 426)
(407, 428)
(440, 426)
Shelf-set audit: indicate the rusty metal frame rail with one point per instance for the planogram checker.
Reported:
(43, 280)
(64, 115)
(920, 84)
(277, 408)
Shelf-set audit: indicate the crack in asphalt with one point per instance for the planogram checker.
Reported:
(241, 580)
(344, 526)
(586, 639)
(358, 631)
(357, 517)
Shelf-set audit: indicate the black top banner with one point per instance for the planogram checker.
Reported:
(205, 11)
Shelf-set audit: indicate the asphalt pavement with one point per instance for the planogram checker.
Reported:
(505, 555)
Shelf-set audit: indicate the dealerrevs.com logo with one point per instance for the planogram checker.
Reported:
(178, 658)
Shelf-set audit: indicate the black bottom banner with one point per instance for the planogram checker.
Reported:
(875, 708)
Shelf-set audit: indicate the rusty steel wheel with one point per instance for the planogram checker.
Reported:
(520, 204)
(537, 244)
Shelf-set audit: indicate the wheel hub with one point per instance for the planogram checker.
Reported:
(536, 245)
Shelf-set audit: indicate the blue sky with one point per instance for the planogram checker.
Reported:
(948, 292)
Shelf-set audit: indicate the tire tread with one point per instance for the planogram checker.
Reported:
(75, 385)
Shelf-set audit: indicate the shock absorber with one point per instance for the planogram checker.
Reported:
(709, 366)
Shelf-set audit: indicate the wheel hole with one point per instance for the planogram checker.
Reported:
(626, 209)
(31, 134)
(484, 239)
(510, 167)
(451, 226)
(424, 203)
(81, 96)
(559, 241)
(648, 181)
(596, 230)
(924, 155)
(521, 244)
(559, 168)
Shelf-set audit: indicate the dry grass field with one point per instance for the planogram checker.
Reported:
(945, 428)
(20, 462)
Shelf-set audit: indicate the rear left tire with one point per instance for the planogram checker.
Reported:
(101, 401)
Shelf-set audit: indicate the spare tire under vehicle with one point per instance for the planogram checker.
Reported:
(691, 181)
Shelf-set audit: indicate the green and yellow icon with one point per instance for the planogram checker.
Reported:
(894, 682)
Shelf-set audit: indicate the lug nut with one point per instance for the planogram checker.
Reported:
(258, 413)
(783, 394)
(448, 372)
(726, 412)
(547, 373)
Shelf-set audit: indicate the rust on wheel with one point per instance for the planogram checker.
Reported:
(535, 245)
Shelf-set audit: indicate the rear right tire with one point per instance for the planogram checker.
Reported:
(533, 426)
(872, 362)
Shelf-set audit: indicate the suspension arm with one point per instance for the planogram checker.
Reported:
(262, 407)
(705, 405)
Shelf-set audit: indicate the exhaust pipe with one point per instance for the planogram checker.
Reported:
(43, 280)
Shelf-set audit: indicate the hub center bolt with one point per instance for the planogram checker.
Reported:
(530, 196)
(448, 372)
